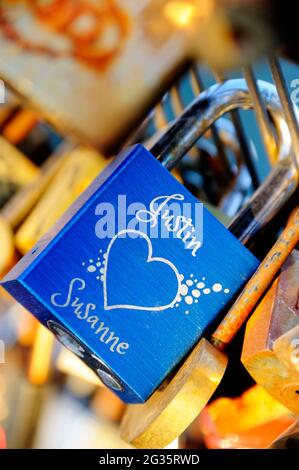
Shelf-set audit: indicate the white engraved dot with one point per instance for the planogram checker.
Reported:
(189, 282)
(189, 300)
(183, 289)
(99, 263)
(196, 293)
(181, 277)
(91, 269)
(207, 291)
(217, 287)
(226, 291)
(201, 285)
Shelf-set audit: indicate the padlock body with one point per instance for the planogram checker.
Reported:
(133, 275)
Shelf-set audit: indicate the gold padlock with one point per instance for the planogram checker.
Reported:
(21, 203)
(7, 247)
(16, 171)
(173, 407)
(81, 166)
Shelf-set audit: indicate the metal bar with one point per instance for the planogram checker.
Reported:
(176, 100)
(287, 106)
(178, 107)
(258, 284)
(198, 88)
(202, 113)
(160, 115)
(198, 118)
(246, 152)
(261, 115)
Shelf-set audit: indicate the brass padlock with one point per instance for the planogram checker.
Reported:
(80, 167)
(16, 171)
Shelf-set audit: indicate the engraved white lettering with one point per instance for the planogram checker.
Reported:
(175, 224)
(82, 311)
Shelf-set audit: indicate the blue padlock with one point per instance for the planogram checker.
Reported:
(136, 271)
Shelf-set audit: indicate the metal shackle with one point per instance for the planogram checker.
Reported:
(203, 112)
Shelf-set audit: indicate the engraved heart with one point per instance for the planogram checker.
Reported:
(134, 279)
